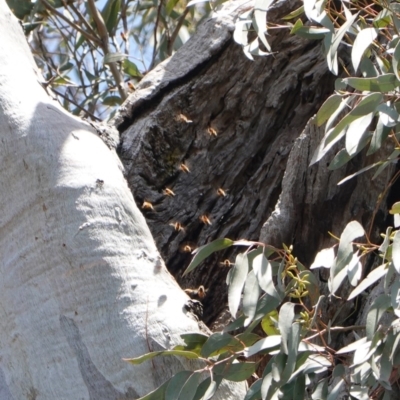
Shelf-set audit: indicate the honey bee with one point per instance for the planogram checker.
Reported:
(221, 192)
(187, 247)
(198, 293)
(147, 206)
(131, 86)
(205, 219)
(183, 167)
(123, 36)
(212, 131)
(226, 263)
(177, 226)
(184, 118)
(168, 192)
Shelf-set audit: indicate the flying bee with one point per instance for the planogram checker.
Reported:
(147, 206)
(205, 219)
(177, 226)
(221, 192)
(183, 167)
(168, 192)
(187, 247)
(226, 263)
(184, 118)
(212, 131)
(198, 293)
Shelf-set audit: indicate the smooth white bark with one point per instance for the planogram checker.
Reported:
(82, 284)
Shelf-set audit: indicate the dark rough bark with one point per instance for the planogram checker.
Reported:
(257, 111)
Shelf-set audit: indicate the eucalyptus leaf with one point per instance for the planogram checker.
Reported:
(251, 294)
(378, 308)
(362, 42)
(371, 278)
(237, 280)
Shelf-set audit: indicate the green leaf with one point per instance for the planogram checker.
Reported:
(206, 389)
(395, 208)
(352, 231)
(237, 279)
(264, 345)
(384, 83)
(396, 251)
(352, 346)
(293, 346)
(236, 371)
(114, 57)
(269, 323)
(193, 342)
(131, 69)
(182, 386)
(380, 135)
(158, 394)
(294, 14)
(372, 277)
(254, 393)
(359, 172)
(378, 308)
(20, 8)
(324, 258)
(203, 252)
(334, 392)
(362, 42)
(263, 271)
(327, 109)
(354, 269)
(299, 388)
(355, 133)
(260, 20)
(396, 59)
(308, 32)
(336, 40)
(149, 356)
(112, 101)
(110, 15)
(251, 294)
(367, 105)
(217, 343)
(286, 317)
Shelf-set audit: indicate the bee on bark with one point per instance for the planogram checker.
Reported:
(177, 226)
(184, 118)
(212, 132)
(198, 293)
(131, 86)
(168, 192)
(187, 247)
(147, 206)
(183, 167)
(221, 192)
(205, 220)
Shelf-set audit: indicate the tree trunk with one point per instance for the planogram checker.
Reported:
(83, 284)
(234, 122)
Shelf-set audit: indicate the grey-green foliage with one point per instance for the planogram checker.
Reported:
(91, 64)
(270, 286)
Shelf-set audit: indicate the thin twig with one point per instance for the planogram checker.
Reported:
(174, 35)
(102, 29)
(153, 59)
(76, 104)
(75, 26)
